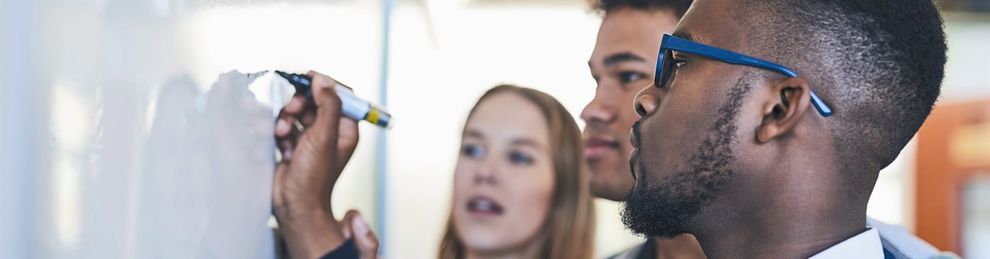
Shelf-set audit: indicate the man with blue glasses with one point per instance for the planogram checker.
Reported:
(768, 122)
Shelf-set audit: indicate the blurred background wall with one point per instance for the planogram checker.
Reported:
(80, 78)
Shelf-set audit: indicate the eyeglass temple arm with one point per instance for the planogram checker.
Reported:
(730, 57)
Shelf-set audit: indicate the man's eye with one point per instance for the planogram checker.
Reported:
(626, 77)
(471, 150)
(519, 158)
(670, 71)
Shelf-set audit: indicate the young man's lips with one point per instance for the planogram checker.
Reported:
(596, 147)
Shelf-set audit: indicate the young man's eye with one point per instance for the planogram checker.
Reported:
(626, 77)
(472, 151)
(519, 158)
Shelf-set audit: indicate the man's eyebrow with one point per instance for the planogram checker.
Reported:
(622, 57)
(684, 35)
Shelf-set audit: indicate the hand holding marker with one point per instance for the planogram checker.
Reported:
(351, 106)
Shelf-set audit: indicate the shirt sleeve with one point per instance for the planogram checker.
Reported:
(344, 251)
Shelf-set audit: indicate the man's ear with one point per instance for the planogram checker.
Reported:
(787, 102)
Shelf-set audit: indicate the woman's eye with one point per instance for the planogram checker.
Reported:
(678, 62)
(518, 158)
(630, 76)
(471, 150)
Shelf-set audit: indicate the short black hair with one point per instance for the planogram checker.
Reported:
(679, 7)
(879, 64)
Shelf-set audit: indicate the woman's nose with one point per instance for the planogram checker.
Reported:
(484, 178)
(485, 174)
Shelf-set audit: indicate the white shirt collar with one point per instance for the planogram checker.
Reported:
(864, 245)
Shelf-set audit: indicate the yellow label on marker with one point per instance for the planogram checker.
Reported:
(373, 116)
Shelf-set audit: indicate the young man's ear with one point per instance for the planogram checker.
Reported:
(786, 103)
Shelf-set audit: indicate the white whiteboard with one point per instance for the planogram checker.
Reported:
(121, 138)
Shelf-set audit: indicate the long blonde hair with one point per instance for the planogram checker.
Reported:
(570, 227)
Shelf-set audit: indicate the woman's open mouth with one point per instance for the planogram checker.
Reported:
(484, 206)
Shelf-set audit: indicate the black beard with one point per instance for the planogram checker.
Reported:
(667, 208)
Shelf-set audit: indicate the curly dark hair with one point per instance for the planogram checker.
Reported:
(879, 62)
(678, 6)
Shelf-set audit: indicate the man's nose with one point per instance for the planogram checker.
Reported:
(646, 101)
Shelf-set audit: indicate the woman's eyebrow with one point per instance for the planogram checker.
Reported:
(527, 142)
(473, 133)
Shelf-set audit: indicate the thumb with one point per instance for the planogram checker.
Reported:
(323, 88)
(328, 111)
(364, 238)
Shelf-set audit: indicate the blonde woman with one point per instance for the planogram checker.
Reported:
(520, 186)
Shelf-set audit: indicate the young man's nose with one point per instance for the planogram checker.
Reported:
(598, 112)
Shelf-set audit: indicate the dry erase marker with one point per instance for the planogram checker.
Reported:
(351, 106)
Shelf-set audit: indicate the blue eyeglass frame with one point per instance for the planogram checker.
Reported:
(674, 43)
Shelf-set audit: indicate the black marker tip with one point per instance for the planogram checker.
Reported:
(300, 82)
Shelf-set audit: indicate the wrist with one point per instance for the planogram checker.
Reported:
(302, 208)
(310, 233)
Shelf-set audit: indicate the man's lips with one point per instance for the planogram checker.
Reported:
(633, 161)
(634, 154)
(634, 135)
